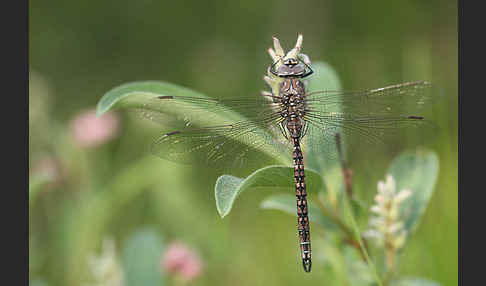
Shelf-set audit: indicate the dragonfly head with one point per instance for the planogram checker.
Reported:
(290, 64)
(291, 67)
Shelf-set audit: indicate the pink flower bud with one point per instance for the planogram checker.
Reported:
(89, 130)
(181, 261)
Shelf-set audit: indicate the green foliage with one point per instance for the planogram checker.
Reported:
(319, 158)
(416, 171)
(286, 203)
(136, 94)
(325, 78)
(142, 257)
(228, 188)
(88, 223)
(358, 236)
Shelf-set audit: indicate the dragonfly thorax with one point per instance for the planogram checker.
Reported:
(292, 94)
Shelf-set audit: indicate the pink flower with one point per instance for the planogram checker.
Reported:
(89, 130)
(181, 261)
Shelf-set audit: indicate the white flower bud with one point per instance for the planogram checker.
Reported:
(401, 196)
(386, 225)
(396, 227)
(399, 240)
(376, 209)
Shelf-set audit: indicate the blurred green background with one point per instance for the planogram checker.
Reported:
(81, 49)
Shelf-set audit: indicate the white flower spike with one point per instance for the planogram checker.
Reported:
(386, 224)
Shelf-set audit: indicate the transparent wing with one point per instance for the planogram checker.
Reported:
(202, 111)
(399, 99)
(368, 129)
(230, 145)
(366, 118)
(239, 129)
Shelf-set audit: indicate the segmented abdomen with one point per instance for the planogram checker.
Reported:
(302, 212)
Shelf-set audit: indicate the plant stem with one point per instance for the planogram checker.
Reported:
(347, 173)
(347, 231)
(361, 244)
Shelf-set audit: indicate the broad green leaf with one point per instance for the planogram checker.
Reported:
(141, 258)
(322, 156)
(143, 96)
(181, 108)
(324, 78)
(228, 188)
(416, 171)
(143, 89)
(286, 203)
(413, 281)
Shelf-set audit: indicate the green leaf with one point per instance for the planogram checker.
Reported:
(324, 78)
(322, 156)
(228, 188)
(413, 281)
(286, 203)
(416, 171)
(141, 258)
(180, 110)
(143, 96)
(121, 95)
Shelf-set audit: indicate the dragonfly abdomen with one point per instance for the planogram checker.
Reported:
(302, 210)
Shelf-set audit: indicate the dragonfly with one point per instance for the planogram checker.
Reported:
(281, 119)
